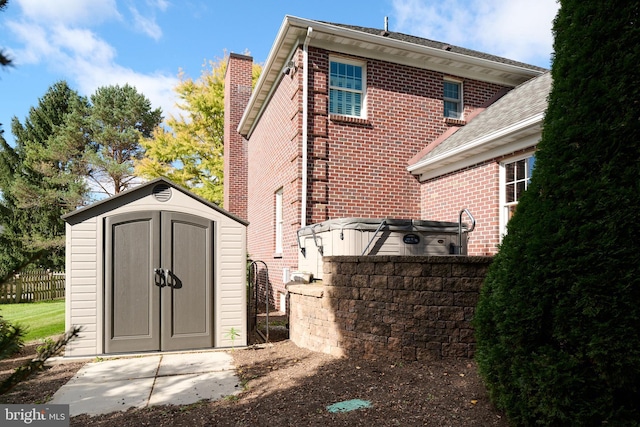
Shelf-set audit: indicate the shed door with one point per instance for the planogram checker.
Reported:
(158, 282)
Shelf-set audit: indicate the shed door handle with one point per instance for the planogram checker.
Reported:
(160, 277)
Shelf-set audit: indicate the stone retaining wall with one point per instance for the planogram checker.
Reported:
(390, 307)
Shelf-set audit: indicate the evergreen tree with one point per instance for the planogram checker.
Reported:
(118, 118)
(558, 322)
(5, 61)
(41, 179)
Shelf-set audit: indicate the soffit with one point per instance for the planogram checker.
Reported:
(394, 47)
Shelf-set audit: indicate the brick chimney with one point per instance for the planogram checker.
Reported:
(237, 91)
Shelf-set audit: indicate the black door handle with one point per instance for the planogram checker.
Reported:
(160, 277)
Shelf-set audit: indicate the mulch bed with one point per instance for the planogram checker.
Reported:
(284, 385)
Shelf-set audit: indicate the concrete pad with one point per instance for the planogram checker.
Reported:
(193, 363)
(174, 379)
(125, 369)
(103, 397)
(191, 388)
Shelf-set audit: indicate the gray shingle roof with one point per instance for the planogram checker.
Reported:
(436, 44)
(525, 101)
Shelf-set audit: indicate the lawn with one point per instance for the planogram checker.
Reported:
(42, 319)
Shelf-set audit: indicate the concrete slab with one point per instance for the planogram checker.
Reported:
(193, 363)
(191, 388)
(127, 368)
(172, 379)
(103, 397)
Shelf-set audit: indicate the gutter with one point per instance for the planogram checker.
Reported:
(478, 142)
(305, 125)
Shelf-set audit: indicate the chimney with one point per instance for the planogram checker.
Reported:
(237, 91)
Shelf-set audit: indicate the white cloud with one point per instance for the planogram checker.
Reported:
(82, 43)
(161, 4)
(158, 87)
(516, 29)
(36, 43)
(146, 25)
(69, 11)
(60, 38)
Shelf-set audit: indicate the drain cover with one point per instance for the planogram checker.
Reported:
(349, 405)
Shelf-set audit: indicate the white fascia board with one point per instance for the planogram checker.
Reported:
(271, 71)
(293, 29)
(438, 165)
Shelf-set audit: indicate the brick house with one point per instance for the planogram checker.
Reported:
(358, 122)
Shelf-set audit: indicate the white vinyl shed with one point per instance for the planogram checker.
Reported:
(155, 268)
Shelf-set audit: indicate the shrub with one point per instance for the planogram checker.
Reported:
(558, 321)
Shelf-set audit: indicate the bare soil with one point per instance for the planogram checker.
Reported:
(285, 385)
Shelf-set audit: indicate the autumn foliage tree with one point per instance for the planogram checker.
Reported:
(189, 149)
(558, 321)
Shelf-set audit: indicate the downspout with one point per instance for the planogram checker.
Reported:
(305, 125)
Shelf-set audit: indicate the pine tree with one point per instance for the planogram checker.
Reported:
(41, 179)
(5, 61)
(118, 119)
(558, 322)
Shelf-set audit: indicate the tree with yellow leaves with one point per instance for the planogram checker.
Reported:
(189, 149)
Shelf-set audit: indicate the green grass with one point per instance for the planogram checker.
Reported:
(42, 319)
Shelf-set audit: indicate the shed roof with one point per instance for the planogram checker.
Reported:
(135, 193)
(515, 116)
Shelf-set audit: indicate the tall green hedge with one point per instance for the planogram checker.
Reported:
(558, 322)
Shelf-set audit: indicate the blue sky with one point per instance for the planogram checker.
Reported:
(94, 43)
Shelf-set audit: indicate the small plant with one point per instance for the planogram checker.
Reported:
(232, 334)
(11, 341)
(47, 344)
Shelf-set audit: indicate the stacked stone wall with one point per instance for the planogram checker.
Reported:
(390, 307)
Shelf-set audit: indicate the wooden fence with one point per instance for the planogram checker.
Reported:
(32, 286)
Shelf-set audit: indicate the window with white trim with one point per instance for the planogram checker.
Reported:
(278, 222)
(515, 177)
(346, 87)
(452, 98)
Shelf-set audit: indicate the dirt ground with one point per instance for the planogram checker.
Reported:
(285, 385)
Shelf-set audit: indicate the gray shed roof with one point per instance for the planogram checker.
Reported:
(135, 193)
(517, 114)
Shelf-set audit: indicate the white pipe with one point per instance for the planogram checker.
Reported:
(305, 125)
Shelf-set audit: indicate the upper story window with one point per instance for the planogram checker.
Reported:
(346, 87)
(515, 177)
(452, 99)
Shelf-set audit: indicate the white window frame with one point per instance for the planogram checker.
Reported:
(458, 101)
(278, 229)
(362, 92)
(504, 206)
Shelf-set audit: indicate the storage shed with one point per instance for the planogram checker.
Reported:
(155, 268)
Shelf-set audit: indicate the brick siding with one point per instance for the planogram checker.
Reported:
(477, 188)
(237, 86)
(357, 168)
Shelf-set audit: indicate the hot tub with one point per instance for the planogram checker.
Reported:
(367, 236)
